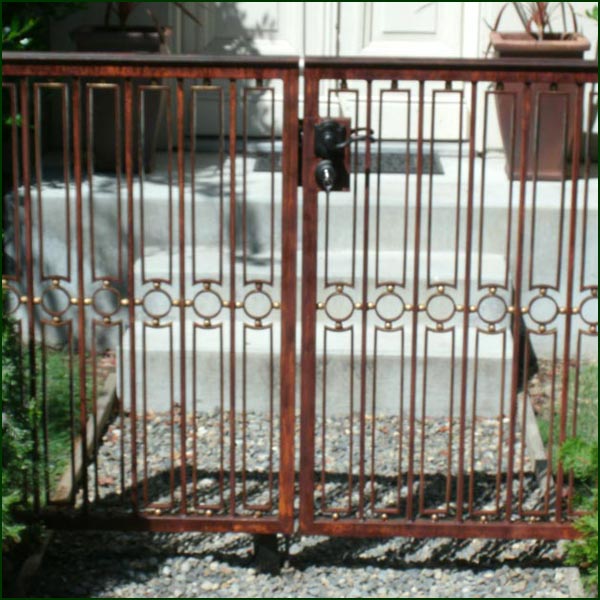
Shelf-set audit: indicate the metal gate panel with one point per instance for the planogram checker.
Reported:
(413, 263)
(428, 289)
(180, 282)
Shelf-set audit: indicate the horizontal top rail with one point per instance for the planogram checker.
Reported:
(477, 69)
(125, 64)
(130, 64)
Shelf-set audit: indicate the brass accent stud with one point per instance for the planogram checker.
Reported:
(543, 291)
(55, 282)
(56, 319)
(276, 305)
(320, 305)
(339, 288)
(542, 328)
(575, 310)
(155, 322)
(439, 326)
(493, 290)
(259, 285)
(106, 283)
(384, 517)
(390, 288)
(562, 310)
(358, 305)
(74, 300)
(156, 285)
(594, 292)
(408, 307)
(371, 305)
(440, 289)
(188, 303)
(388, 325)
(421, 307)
(239, 304)
(87, 301)
(335, 516)
(176, 302)
(207, 323)
(4, 283)
(460, 307)
(206, 285)
(434, 517)
(124, 301)
(472, 308)
(491, 328)
(226, 304)
(593, 329)
(524, 310)
(137, 301)
(157, 512)
(258, 323)
(37, 300)
(510, 309)
(106, 320)
(24, 299)
(338, 325)
(258, 514)
(483, 519)
(209, 513)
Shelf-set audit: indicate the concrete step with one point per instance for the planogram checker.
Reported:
(207, 359)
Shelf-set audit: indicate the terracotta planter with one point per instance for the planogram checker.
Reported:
(115, 39)
(551, 110)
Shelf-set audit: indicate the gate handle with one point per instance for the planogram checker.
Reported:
(357, 138)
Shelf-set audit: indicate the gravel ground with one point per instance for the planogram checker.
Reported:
(108, 564)
(436, 450)
(119, 565)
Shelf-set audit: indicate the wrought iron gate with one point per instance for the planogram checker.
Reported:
(425, 291)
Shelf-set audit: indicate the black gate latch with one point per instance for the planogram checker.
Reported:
(332, 143)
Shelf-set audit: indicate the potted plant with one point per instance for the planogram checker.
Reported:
(120, 37)
(550, 30)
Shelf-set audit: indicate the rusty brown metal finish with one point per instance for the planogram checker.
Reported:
(516, 324)
(564, 398)
(133, 420)
(77, 162)
(353, 498)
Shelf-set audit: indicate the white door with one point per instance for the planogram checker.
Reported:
(435, 29)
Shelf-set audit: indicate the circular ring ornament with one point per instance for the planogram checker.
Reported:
(56, 301)
(339, 306)
(207, 304)
(543, 310)
(12, 300)
(492, 309)
(588, 310)
(106, 301)
(258, 305)
(440, 308)
(389, 307)
(156, 303)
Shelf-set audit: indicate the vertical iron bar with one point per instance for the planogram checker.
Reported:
(24, 93)
(516, 326)
(466, 312)
(289, 226)
(364, 316)
(128, 114)
(80, 286)
(564, 399)
(415, 314)
(182, 375)
(232, 300)
(309, 302)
